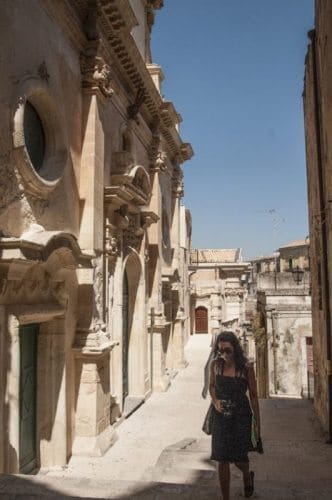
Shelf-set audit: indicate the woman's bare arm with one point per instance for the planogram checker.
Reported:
(212, 387)
(252, 384)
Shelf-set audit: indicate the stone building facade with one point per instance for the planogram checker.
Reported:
(317, 112)
(217, 291)
(282, 324)
(92, 264)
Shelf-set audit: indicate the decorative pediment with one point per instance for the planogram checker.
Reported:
(33, 267)
(131, 187)
(36, 244)
(141, 180)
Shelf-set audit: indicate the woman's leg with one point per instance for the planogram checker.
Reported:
(224, 479)
(244, 468)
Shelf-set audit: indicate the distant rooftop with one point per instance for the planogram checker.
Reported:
(296, 243)
(216, 255)
(263, 257)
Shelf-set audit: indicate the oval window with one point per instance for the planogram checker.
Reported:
(34, 136)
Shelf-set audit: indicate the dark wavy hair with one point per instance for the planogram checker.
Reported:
(239, 357)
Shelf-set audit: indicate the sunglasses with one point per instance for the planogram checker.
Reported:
(227, 350)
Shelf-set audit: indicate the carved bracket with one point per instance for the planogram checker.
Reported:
(133, 109)
(132, 236)
(96, 74)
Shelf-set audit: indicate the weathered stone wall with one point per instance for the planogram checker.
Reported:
(317, 110)
(282, 346)
(43, 69)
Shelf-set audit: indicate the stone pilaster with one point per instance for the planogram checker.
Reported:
(93, 432)
(179, 360)
(92, 178)
(161, 381)
(12, 398)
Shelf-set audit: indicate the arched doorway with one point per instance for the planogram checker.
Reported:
(125, 336)
(201, 320)
(133, 303)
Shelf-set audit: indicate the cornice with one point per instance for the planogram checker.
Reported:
(123, 48)
(115, 21)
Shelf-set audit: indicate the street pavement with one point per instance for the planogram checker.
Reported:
(161, 452)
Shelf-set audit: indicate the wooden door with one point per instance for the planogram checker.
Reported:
(201, 320)
(28, 397)
(310, 367)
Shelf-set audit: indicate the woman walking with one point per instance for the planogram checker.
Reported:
(231, 375)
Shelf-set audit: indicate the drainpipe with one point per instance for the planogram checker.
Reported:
(322, 197)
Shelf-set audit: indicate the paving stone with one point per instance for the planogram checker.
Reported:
(162, 453)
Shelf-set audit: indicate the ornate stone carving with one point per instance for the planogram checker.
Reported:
(98, 313)
(160, 161)
(9, 189)
(148, 218)
(39, 205)
(96, 74)
(177, 183)
(132, 236)
(133, 109)
(121, 218)
(233, 294)
(138, 182)
(14, 291)
(102, 75)
(112, 247)
(156, 156)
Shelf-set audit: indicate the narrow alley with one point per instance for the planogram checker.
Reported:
(162, 453)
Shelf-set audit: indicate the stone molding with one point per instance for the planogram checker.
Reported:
(36, 313)
(301, 290)
(93, 352)
(116, 30)
(132, 186)
(36, 90)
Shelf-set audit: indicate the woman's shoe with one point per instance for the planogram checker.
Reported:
(249, 490)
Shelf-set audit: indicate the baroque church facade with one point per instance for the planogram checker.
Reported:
(94, 241)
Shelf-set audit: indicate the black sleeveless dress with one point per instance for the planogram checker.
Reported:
(231, 430)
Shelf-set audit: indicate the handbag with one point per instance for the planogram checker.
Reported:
(207, 424)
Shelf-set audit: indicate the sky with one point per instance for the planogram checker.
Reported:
(234, 71)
